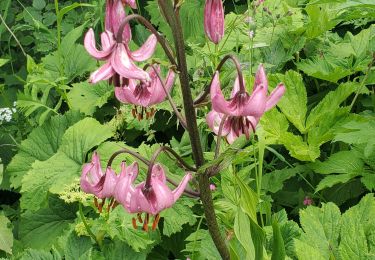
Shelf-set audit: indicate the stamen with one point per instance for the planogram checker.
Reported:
(134, 112)
(96, 202)
(145, 224)
(134, 223)
(115, 204)
(139, 216)
(156, 221)
(100, 208)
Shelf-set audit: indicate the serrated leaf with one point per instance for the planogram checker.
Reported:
(77, 247)
(340, 162)
(176, 217)
(42, 143)
(33, 254)
(274, 181)
(332, 180)
(87, 97)
(39, 4)
(64, 167)
(369, 181)
(120, 250)
(294, 102)
(200, 246)
(41, 229)
(6, 235)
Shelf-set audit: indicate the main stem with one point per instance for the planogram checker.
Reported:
(192, 127)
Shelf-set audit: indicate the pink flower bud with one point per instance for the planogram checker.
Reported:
(214, 20)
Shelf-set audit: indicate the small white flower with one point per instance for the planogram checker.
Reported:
(251, 34)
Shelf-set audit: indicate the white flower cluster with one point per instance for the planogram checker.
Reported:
(6, 113)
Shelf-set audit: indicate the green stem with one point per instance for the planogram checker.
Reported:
(58, 24)
(89, 231)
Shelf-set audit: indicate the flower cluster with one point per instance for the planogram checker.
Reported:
(150, 196)
(6, 113)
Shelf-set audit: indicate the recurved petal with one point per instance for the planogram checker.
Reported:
(90, 45)
(124, 66)
(256, 104)
(161, 197)
(181, 187)
(108, 40)
(103, 73)
(275, 96)
(139, 203)
(126, 94)
(236, 87)
(213, 120)
(146, 50)
(124, 189)
(219, 103)
(159, 94)
(261, 78)
(110, 182)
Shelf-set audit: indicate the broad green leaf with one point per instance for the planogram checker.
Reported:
(368, 180)
(243, 233)
(275, 124)
(87, 97)
(278, 248)
(248, 199)
(200, 246)
(41, 229)
(356, 235)
(274, 181)
(42, 143)
(33, 254)
(321, 230)
(3, 62)
(332, 180)
(68, 8)
(120, 250)
(176, 217)
(294, 102)
(64, 167)
(6, 235)
(306, 251)
(330, 103)
(321, 20)
(39, 4)
(77, 247)
(340, 162)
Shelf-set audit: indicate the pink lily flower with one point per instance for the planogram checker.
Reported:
(157, 198)
(214, 20)
(119, 58)
(145, 93)
(242, 110)
(93, 181)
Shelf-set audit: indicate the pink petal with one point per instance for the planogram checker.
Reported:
(103, 73)
(213, 120)
(131, 3)
(146, 50)
(261, 78)
(158, 93)
(108, 40)
(109, 183)
(256, 104)
(219, 103)
(90, 45)
(139, 202)
(161, 197)
(108, 16)
(275, 96)
(124, 189)
(236, 87)
(181, 187)
(214, 20)
(124, 66)
(125, 94)
(92, 176)
(118, 15)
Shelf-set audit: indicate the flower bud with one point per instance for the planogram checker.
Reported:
(214, 20)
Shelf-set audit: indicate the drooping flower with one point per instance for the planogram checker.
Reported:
(149, 200)
(214, 20)
(119, 58)
(93, 181)
(145, 93)
(242, 111)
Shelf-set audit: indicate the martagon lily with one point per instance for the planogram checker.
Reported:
(148, 198)
(119, 59)
(242, 111)
(214, 20)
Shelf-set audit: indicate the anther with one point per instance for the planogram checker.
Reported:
(156, 221)
(134, 222)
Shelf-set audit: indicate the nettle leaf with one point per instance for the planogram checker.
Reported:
(321, 228)
(6, 235)
(77, 247)
(87, 97)
(177, 216)
(65, 166)
(41, 229)
(294, 102)
(42, 143)
(340, 162)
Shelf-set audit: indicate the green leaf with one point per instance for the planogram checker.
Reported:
(340, 162)
(41, 229)
(42, 143)
(69, 8)
(357, 132)
(368, 180)
(274, 181)
(120, 250)
(331, 102)
(77, 247)
(33, 254)
(321, 20)
(294, 102)
(332, 180)
(39, 4)
(176, 217)
(248, 199)
(64, 167)
(243, 233)
(86, 97)
(278, 247)
(6, 235)
(3, 62)
(356, 235)
(200, 246)
(321, 232)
